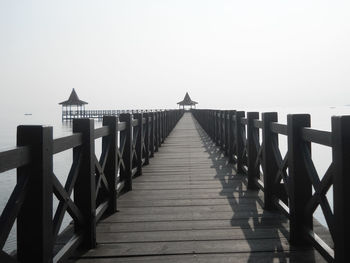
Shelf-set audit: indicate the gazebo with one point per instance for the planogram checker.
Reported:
(187, 102)
(78, 107)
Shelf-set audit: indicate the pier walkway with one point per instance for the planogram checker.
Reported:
(189, 205)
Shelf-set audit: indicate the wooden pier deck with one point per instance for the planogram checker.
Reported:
(190, 206)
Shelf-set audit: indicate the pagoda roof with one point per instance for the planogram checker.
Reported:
(187, 100)
(73, 100)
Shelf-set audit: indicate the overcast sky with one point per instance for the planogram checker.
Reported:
(148, 53)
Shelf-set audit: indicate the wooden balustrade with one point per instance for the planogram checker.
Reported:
(95, 182)
(71, 114)
(287, 181)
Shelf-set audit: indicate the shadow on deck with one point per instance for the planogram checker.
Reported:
(191, 206)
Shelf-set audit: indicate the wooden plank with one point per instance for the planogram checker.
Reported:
(191, 225)
(190, 247)
(185, 202)
(293, 256)
(191, 235)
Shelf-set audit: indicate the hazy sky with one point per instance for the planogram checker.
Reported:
(148, 53)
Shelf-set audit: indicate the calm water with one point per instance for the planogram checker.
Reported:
(320, 119)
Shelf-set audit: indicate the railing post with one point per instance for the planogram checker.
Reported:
(164, 125)
(152, 133)
(147, 138)
(84, 189)
(231, 137)
(139, 142)
(111, 166)
(270, 167)
(217, 128)
(239, 141)
(341, 186)
(300, 188)
(223, 143)
(167, 120)
(160, 128)
(221, 129)
(253, 170)
(227, 132)
(213, 125)
(126, 173)
(156, 131)
(34, 220)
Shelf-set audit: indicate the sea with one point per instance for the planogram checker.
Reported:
(321, 155)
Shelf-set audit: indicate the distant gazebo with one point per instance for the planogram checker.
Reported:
(73, 107)
(187, 102)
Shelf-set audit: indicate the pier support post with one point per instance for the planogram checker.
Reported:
(270, 167)
(341, 186)
(300, 189)
(110, 142)
(34, 220)
(126, 172)
(252, 132)
(85, 189)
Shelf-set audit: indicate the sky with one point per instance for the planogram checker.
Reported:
(125, 54)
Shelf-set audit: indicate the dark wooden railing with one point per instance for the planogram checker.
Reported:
(92, 186)
(70, 114)
(290, 183)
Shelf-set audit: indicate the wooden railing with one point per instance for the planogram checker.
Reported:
(92, 186)
(290, 183)
(70, 114)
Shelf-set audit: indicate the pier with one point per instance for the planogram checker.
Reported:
(175, 186)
